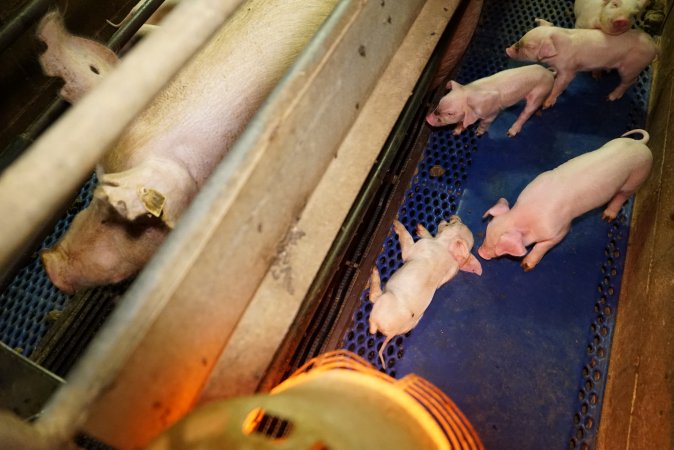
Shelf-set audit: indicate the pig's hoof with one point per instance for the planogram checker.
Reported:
(527, 267)
(608, 217)
(512, 133)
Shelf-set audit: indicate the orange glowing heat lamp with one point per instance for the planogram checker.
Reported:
(336, 401)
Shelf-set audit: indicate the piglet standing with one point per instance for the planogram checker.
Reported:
(610, 16)
(427, 264)
(568, 51)
(485, 98)
(544, 210)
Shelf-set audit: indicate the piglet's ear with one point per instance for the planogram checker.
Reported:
(461, 254)
(547, 49)
(469, 116)
(459, 250)
(471, 265)
(453, 85)
(478, 104)
(501, 207)
(510, 243)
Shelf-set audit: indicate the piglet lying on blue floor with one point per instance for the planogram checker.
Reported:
(544, 210)
(427, 264)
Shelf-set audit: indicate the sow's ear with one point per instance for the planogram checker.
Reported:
(510, 243)
(501, 207)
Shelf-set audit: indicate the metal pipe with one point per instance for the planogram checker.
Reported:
(33, 189)
(130, 27)
(24, 20)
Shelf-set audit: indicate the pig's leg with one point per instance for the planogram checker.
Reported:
(375, 285)
(562, 80)
(484, 125)
(422, 232)
(636, 179)
(539, 250)
(626, 80)
(405, 238)
(533, 103)
(159, 187)
(381, 351)
(613, 207)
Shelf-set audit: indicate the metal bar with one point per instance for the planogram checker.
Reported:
(35, 187)
(131, 26)
(24, 20)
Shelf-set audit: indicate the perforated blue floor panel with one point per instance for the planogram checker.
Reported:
(28, 300)
(524, 355)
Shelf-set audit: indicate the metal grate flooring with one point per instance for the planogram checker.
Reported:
(30, 303)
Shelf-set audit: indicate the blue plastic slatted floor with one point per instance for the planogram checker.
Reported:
(524, 355)
(29, 298)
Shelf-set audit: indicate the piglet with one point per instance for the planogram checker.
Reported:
(427, 265)
(610, 16)
(544, 210)
(568, 51)
(485, 98)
